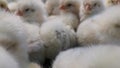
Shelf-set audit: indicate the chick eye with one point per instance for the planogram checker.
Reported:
(69, 5)
(26, 10)
(117, 25)
(29, 10)
(112, 1)
(2, 6)
(95, 4)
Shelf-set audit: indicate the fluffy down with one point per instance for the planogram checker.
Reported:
(13, 37)
(52, 7)
(69, 19)
(57, 37)
(13, 7)
(102, 28)
(102, 56)
(36, 47)
(7, 60)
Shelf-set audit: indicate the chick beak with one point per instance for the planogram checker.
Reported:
(62, 7)
(118, 1)
(88, 7)
(19, 13)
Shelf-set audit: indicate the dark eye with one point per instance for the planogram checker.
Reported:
(69, 5)
(29, 10)
(112, 1)
(2, 6)
(95, 4)
(117, 25)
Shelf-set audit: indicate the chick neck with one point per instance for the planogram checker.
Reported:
(71, 13)
(71, 19)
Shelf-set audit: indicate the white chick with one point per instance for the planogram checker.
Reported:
(32, 11)
(99, 56)
(7, 60)
(57, 37)
(109, 3)
(90, 8)
(69, 13)
(36, 47)
(13, 37)
(52, 7)
(102, 28)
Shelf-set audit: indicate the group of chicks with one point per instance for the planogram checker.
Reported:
(59, 33)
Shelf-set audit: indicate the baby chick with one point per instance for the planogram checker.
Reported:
(32, 11)
(90, 8)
